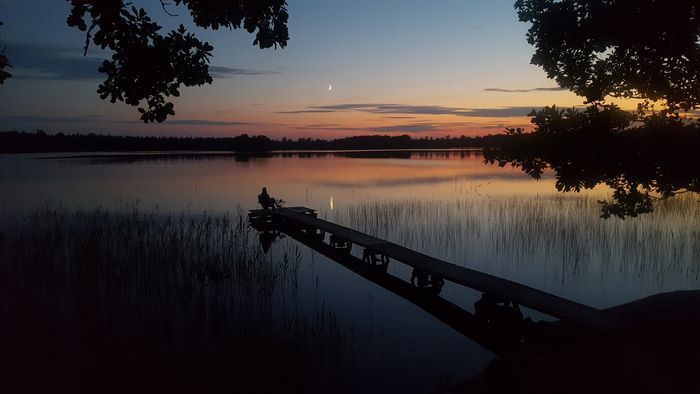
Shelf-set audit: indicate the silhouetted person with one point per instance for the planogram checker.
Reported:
(266, 201)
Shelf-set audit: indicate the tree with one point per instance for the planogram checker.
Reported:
(4, 63)
(624, 48)
(643, 157)
(148, 66)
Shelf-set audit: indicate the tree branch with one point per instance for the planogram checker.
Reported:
(164, 4)
(88, 36)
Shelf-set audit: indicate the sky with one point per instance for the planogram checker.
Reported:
(447, 67)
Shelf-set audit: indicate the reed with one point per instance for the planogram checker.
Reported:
(553, 242)
(121, 299)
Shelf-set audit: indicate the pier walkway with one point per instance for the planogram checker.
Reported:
(429, 271)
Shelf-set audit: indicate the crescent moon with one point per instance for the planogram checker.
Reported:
(330, 87)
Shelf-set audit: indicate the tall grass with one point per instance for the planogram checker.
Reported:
(119, 301)
(554, 242)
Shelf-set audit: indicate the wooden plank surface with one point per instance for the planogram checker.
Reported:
(524, 295)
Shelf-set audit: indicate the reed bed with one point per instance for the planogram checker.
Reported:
(553, 242)
(118, 301)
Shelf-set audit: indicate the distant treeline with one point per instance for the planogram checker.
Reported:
(23, 142)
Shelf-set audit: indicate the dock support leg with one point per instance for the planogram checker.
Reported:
(376, 259)
(314, 232)
(427, 280)
(340, 243)
(500, 313)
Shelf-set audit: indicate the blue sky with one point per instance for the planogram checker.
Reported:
(424, 68)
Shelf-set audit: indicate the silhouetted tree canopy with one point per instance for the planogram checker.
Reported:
(4, 63)
(147, 65)
(642, 157)
(623, 48)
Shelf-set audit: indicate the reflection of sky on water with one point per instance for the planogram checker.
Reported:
(487, 231)
(392, 337)
(219, 182)
(396, 346)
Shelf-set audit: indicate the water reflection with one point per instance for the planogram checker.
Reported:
(501, 336)
(447, 204)
(217, 182)
(268, 237)
(245, 156)
(496, 220)
(640, 172)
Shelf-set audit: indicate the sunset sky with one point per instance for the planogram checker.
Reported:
(397, 66)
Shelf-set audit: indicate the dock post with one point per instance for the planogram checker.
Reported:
(338, 242)
(427, 280)
(375, 259)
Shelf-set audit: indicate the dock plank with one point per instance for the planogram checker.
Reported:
(524, 295)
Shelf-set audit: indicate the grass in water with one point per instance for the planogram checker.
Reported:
(556, 243)
(128, 301)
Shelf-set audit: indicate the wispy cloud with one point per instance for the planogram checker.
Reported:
(319, 126)
(506, 112)
(228, 72)
(405, 128)
(415, 110)
(400, 128)
(98, 119)
(51, 62)
(415, 127)
(66, 63)
(502, 90)
(310, 110)
(203, 122)
(51, 119)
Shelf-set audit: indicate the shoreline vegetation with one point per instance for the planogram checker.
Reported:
(41, 142)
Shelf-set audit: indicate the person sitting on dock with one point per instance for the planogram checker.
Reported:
(266, 201)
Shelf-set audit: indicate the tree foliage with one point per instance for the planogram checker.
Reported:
(623, 48)
(4, 64)
(148, 66)
(390, 146)
(642, 157)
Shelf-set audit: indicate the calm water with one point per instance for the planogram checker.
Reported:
(447, 204)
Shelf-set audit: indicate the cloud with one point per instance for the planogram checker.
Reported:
(52, 119)
(307, 111)
(52, 62)
(319, 126)
(416, 110)
(203, 122)
(501, 90)
(34, 119)
(416, 127)
(66, 63)
(500, 112)
(405, 128)
(401, 128)
(228, 72)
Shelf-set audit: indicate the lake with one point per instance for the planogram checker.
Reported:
(447, 204)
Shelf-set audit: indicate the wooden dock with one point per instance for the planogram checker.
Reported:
(379, 251)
